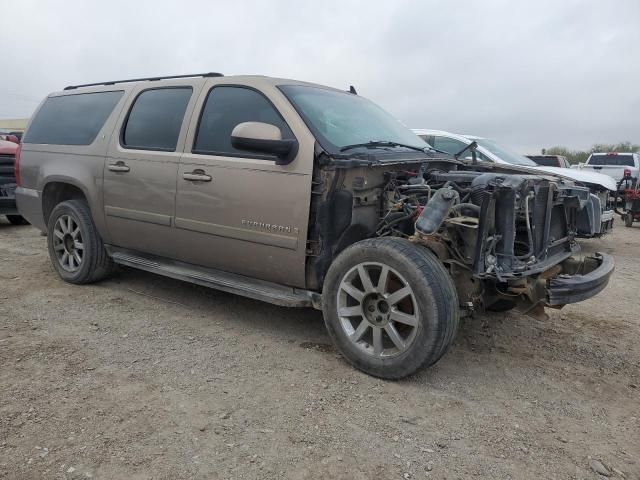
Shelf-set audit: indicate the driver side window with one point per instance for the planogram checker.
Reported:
(224, 109)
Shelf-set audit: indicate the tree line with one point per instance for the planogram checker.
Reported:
(577, 156)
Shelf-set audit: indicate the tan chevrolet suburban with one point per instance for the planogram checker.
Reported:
(302, 196)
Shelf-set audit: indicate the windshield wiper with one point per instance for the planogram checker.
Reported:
(472, 148)
(381, 143)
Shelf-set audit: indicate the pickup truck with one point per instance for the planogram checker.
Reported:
(303, 196)
(617, 165)
(8, 207)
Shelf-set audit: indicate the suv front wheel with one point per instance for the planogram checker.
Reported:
(75, 247)
(390, 306)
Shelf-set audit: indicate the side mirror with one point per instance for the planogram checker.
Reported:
(262, 137)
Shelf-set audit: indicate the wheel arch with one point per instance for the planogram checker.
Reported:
(57, 190)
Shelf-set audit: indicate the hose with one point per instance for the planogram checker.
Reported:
(467, 206)
(529, 233)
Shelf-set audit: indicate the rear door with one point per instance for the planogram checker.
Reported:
(141, 166)
(237, 211)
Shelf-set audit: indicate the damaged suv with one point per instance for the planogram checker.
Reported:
(299, 195)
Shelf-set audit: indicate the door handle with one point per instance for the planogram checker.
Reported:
(118, 167)
(197, 176)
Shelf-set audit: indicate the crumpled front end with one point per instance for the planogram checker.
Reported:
(579, 279)
(511, 237)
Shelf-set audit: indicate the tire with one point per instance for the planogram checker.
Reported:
(386, 332)
(628, 219)
(502, 305)
(62, 237)
(17, 220)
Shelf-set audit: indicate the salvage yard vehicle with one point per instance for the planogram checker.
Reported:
(299, 195)
(631, 206)
(593, 221)
(8, 207)
(619, 166)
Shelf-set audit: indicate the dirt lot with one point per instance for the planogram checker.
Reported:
(106, 381)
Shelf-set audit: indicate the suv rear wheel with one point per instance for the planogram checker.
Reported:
(390, 307)
(75, 247)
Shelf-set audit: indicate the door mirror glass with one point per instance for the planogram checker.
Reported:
(262, 137)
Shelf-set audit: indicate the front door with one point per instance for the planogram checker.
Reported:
(240, 212)
(141, 168)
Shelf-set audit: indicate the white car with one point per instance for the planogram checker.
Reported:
(597, 220)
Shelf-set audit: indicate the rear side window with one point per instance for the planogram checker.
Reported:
(72, 119)
(155, 119)
(224, 109)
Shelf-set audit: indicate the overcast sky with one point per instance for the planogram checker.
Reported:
(528, 74)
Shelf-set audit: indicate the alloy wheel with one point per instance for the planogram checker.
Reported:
(67, 243)
(377, 309)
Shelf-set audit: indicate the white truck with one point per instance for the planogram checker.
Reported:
(616, 165)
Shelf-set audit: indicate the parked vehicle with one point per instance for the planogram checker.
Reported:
(594, 221)
(8, 183)
(550, 160)
(619, 166)
(631, 202)
(299, 195)
(10, 137)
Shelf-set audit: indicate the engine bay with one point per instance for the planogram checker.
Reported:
(499, 225)
(497, 229)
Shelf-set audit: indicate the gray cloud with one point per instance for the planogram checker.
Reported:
(529, 74)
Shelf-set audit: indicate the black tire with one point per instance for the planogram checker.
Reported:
(432, 289)
(96, 263)
(17, 220)
(628, 219)
(502, 305)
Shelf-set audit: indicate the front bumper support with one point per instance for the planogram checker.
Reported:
(580, 280)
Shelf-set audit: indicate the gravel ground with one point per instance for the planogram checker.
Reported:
(143, 377)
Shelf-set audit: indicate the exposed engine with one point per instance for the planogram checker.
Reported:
(493, 229)
(505, 234)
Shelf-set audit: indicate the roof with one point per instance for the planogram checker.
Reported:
(128, 84)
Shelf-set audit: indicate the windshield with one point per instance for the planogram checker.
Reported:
(340, 119)
(505, 154)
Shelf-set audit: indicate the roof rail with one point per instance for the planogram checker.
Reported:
(148, 79)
